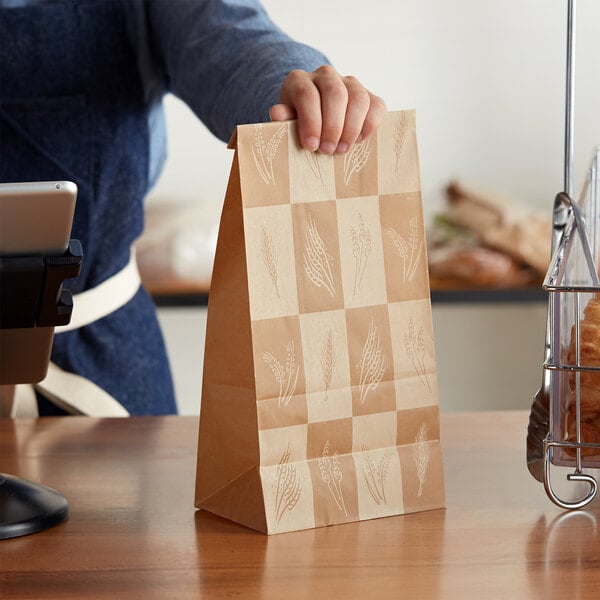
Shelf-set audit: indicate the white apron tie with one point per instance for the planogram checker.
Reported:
(73, 393)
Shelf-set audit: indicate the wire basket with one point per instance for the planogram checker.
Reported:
(564, 423)
(573, 359)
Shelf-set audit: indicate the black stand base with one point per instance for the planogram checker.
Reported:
(27, 507)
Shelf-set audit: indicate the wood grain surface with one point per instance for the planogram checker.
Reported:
(134, 533)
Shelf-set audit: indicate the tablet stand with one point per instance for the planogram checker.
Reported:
(33, 296)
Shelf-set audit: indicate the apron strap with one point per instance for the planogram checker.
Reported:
(110, 295)
(73, 393)
(24, 402)
(78, 395)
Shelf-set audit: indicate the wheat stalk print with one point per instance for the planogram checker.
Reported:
(372, 363)
(269, 256)
(264, 153)
(328, 360)
(399, 138)
(401, 247)
(331, 474)
(287, 486)
(376, 474)
(410, 251)
(415, 350)
(415, 244)
(421, 456)
(317, 261)
(286, 375)
(361, 249)
(356, 159)
(312, 158)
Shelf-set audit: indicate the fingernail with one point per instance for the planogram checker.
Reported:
(342, 148)
(327, 148)
(311, 143)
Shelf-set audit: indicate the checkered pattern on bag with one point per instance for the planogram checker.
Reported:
(341, 326)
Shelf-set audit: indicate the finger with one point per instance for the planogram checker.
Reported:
(334, 100)
(374, 117)
(282, 112)
(359, 102)
(299, 92)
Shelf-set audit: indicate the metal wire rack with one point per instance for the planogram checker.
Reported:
(568, 402)
(573, 360)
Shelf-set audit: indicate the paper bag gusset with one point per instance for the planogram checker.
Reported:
(319, 402)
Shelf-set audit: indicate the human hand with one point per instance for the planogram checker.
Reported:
(333, 111)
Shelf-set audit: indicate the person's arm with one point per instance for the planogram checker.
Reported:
(230, 63)
(224, 58)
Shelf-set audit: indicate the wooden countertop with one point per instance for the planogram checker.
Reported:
(134, 533)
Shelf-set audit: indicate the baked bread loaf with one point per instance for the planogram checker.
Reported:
(476, 267)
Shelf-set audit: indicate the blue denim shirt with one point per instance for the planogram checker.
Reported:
(225, 58)
(81, 88)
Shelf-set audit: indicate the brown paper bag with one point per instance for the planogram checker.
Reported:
(319, 401)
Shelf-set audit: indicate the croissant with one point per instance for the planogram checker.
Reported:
(590, 434)
(589, 356)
